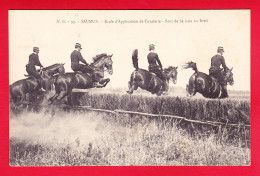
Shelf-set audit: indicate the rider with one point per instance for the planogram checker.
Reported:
(31, 69)
(215, 70)
(153, 61)
(76, 57)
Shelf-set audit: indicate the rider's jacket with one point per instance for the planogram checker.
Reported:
(33, 61)
(76, 57)
(216, 61)
(153, 59)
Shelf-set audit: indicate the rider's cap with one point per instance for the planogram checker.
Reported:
(151, 47)
(78, 45)
(36, 49)
(220, 48)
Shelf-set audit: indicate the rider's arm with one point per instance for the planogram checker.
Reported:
(223, 63)
(81, 58)
(38, 63)
(158, 60)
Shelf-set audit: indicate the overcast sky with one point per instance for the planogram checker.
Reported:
(195, 39)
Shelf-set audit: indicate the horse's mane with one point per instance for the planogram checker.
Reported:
(98, 57)
(168, 69)
(50, 67)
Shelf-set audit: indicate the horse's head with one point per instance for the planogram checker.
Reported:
(104, 61)
(109, 64)
(171, 73)
(61, 69)
(229, 76)
(53, 69)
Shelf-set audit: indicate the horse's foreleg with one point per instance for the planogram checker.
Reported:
(190, 90)
(131, 87)
(58, 98)
(106, 82)
(103, 82)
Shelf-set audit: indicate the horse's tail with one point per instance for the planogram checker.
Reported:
(135, 58)
(191, 65)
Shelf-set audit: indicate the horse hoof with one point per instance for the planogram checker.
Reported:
(129, 92)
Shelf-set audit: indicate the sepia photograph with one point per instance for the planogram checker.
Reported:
(129, 87)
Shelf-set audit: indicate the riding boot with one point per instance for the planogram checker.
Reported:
(40, 87)
(96, 82)
(163, 89)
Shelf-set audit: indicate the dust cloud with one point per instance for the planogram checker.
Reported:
(63, 128)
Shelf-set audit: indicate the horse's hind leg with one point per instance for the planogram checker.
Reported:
(17, 105)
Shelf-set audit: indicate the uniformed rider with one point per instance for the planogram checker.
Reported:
(76, 57)
(31, 66)
(155, 65)
(215, 70)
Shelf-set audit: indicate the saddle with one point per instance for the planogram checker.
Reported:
(29, 76)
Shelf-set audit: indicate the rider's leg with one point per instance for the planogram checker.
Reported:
(95, 79)
(160, 75)
(37, 76)
(85, 69)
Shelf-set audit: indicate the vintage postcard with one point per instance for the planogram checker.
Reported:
(129, 88)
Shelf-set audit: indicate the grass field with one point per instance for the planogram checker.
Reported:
(76, 138)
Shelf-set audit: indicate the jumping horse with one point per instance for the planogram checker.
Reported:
(149, 81)
(66, 82)
(206, 85)
(19, 89)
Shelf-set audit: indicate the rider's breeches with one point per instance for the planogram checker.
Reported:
(219, 77)
(33, 72)
(83, 69)
(159, 74)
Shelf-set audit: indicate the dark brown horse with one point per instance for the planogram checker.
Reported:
(206, 85)
(66, 82)
(150, 82)
(20, 88)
